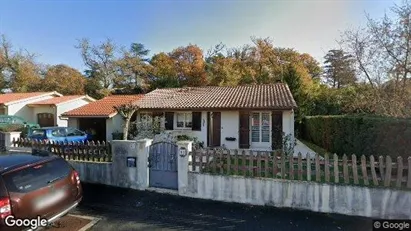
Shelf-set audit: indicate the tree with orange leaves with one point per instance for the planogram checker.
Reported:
(190, 65)
(61, 78)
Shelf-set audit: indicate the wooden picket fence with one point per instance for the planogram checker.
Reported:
(82, 151)
(371, 171)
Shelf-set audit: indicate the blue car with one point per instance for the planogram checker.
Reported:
(59, 134)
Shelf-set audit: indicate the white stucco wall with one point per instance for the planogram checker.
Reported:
(67, 106)
(42, 109)
(113, 124)
(21, 109)
(72, 122)
(57, 110)
(201, 135)
(342, 199)
(229, 127)
(288, 123)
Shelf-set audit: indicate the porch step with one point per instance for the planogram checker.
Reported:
(163, 190)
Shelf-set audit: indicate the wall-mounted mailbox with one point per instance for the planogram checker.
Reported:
(131, 162)
(230, 138)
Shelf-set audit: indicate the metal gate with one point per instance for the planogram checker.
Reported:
(163, 165)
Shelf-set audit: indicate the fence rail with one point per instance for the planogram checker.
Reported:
(371, 171)
(83, 151)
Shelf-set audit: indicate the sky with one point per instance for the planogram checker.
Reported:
(51, 28)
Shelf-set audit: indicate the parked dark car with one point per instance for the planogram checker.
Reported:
(33, 185)
(59, 134)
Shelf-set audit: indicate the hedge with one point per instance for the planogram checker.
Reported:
(12, 128)
(359, 135)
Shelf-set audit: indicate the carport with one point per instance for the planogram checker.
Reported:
(95, 126)
(100, 116)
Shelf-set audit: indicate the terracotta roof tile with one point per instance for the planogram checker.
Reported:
(10, 97)
(102, 107)
(57, 100)
(267, 96)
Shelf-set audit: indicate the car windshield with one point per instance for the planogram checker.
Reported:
(36, 177)
(38, 132)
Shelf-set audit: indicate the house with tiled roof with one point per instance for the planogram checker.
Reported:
(43, 108)
(100, 116)
(240, 117)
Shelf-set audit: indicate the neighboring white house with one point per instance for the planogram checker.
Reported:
(15, 103)
(43, 108)
(241, 117)
(100, 116)
(48, 112)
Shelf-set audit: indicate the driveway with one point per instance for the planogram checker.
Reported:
(128, 210)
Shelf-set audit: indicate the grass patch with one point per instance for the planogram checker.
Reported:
(317, 149)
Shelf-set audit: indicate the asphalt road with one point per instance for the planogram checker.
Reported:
(129, 210)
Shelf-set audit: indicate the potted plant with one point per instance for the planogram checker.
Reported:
(117, 135)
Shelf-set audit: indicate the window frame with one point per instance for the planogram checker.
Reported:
(59, 130)
(188, 118)
(80, 133)
(260, 127)
(33, 182)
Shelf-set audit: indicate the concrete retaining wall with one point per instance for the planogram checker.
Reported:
(341, 199)
(118, 173)
(92, 172)
(348, 200)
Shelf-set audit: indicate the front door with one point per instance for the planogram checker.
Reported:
(214, 129)
(45, 119)
(277, 130)
(260, 130)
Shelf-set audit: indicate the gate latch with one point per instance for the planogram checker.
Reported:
(149, 162)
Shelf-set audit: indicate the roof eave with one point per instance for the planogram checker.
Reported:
(86, 116)
(112, 115)
(33, 97)
(90, 98)
(80, 97)
(40, 105)
(91, 116)
(222, 108)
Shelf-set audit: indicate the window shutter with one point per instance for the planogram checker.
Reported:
(169, 117)
(277, 130)
(208, 129)
(196, 121)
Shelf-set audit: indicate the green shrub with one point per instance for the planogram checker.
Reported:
(12, 128)
(359, 135)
